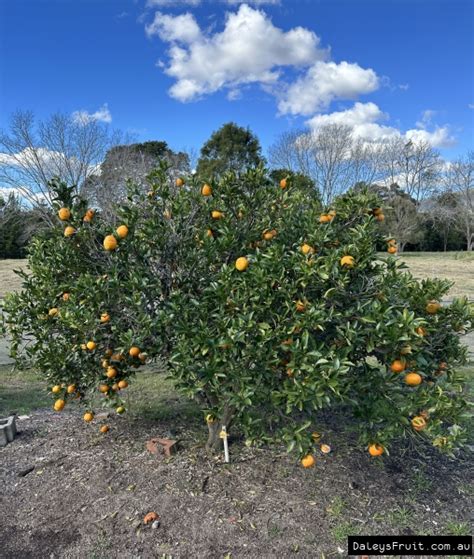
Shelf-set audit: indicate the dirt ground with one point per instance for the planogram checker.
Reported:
(88, 493)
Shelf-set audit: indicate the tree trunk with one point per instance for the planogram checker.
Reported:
(214, 443)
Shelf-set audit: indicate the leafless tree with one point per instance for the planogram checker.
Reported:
(460, 180)
(330, 156)
(414, 166)
(32, 152)
(133, 162)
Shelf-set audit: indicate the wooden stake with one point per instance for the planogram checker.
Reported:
(223, 436)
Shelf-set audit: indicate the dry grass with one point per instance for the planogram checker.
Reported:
(455, 266)
(9, 281)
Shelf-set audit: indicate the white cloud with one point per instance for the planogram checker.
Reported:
(440, 137)
(365, 118)
(250, 49)
(28, 155)
(426, 118)
(324, 82)
(471, 106)
(101, 115)
(253, 2)
(182, 28)
(171, 3)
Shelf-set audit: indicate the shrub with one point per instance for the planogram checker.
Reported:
(266, 309)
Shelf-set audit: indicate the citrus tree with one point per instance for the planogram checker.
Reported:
(266, 307)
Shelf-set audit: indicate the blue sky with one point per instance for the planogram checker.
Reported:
(176, 71)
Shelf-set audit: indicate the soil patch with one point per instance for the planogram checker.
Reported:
(88, 493)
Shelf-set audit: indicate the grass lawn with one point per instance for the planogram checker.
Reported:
(455, 266)
(9, 281)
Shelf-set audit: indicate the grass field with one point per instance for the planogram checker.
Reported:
(9, 281)
(455, 266)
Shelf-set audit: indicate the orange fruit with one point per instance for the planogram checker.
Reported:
(325, 218)
(347, 261)
(306, 249)
(283, 184)
(59, 405)
(122, 231)
(120, 410)
(392, 249)
(179, 182)
(325, 448)
(391, 241)
(104, 317)
(376, 449)
(104, 363)
(65, 297)
(215, 214)
(104, 429)
(115, 387)
(206, 190)
(308, 461)
(267, 235)
(71, 389)
(110, 243)
(150, 517)
(421, 331)
(53, 312)
(432, 307)
(380, 217)
(418, 423)
(377, 211)
(64, 214)
(209, 233)
(300, 306)
(134, 351)
(104, 388)
(88, 216)
(241, 264)
(413, 379)
(69, 231)
(117, 357)
(315, 436)
(91, 345)
(88, 416)
(56, 389)
(111, 372)
(122, 384)
(398, 366)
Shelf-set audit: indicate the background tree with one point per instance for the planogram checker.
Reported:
(17, 225)
(401, 217)
(133, 162)
(231, 148)
(460, 180)
(32, 152)
(331, 156)
(440, 215)
(414, 166)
